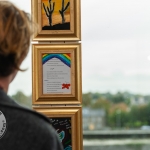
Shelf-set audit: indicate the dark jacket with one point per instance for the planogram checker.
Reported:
(26, 129)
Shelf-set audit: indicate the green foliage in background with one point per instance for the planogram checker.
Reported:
(118, 109)
(22, 99)
(119, 113)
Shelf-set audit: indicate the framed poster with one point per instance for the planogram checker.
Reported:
(56, 74)
(57, 20)
(67, 123)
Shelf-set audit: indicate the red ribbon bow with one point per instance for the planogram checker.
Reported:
(65, 86)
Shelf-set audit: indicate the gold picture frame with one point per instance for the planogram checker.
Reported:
(53, 80)
(57, 20)
(67, 121)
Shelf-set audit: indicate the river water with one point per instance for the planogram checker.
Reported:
(123, 144)
(118, 147)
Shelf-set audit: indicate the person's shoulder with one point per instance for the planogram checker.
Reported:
(33, 124)
(30, 114)
(33, 113)
(8, 103)
(42, 125)
(23, 113)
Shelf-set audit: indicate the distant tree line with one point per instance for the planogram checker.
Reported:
(22, 99)
(119, 111)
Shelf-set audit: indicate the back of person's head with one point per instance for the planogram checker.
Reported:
(15, 33)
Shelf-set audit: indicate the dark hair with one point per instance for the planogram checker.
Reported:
(15, 33)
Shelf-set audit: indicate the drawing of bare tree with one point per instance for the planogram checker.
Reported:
(63, 9)
(49, 11)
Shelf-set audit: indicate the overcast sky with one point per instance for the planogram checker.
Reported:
(115, 47)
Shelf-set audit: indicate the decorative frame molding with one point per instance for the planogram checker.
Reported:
(50, 33)
(38, 94)
(75, 115)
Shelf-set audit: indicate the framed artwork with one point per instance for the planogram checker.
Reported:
(68, 124)
(56, 74)
(57, 20)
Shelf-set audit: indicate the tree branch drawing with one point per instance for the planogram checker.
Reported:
(63, 9)
(49, 11)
